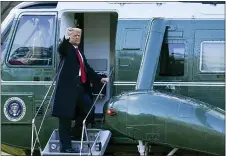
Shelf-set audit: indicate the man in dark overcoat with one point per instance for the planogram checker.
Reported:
(69, 96)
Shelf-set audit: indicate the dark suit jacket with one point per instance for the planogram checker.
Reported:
(65, 93)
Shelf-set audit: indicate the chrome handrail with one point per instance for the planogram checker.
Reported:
(84, 121)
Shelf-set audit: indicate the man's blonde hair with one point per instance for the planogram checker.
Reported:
(77, 30)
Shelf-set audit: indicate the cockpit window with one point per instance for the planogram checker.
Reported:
(5, 41)
(34, 41)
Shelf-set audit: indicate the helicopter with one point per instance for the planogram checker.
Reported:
(154, 49)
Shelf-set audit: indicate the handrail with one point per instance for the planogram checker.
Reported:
(33, 120)
(84, 121)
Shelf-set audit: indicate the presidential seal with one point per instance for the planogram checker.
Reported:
(14, 109)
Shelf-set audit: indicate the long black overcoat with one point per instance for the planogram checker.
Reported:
(65, 94)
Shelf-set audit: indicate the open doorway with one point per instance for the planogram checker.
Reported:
(98, 45)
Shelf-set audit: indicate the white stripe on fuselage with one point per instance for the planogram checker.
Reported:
(117, 83)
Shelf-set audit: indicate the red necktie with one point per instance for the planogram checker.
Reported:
(83, 74)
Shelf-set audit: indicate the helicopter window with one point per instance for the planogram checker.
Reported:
(212, 56)
(172, 59)
(34, 41)
(4, 41)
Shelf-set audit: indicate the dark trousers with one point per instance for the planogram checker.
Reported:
(65, 123)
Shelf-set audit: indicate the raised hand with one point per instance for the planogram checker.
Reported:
(68, 32)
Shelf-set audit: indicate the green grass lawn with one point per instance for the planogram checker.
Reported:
(12, 150)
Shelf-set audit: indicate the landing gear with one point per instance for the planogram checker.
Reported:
(143, 149)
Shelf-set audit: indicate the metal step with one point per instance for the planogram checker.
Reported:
(98, 140)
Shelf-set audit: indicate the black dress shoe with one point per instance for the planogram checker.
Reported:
(69, 150)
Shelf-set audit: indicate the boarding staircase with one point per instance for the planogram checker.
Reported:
(94, 144)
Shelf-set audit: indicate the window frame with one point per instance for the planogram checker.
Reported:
(201, 55)
(18, 19)
(8, 30)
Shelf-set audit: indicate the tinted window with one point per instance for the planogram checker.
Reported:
(212, 56)
(172, 59)
(33, 42)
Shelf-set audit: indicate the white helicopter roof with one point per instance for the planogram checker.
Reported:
(141, 9)
(149, 9)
